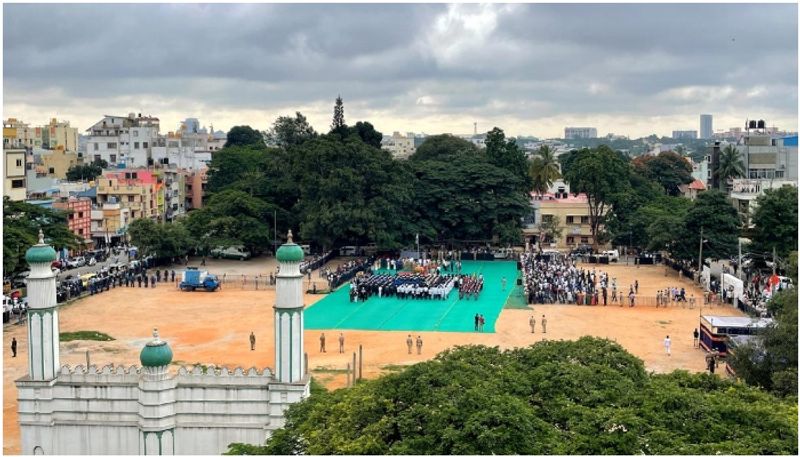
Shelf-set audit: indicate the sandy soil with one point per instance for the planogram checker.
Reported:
(213, 328)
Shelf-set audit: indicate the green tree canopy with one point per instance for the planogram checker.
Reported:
(556, 397)
(21, 224)
(163, 241)
(444, 147)
(601, 174)
(86, 172)
(775, 220)
(290, 131)
(731, 165)
(544, 170)
(367, 133)
(506, 154)
(244, 135)
(338, 124)
(668, 169)
(719, 222)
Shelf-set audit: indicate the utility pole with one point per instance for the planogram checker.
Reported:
(700, 261)
(739, 264)
(275, 225)
(774, 263)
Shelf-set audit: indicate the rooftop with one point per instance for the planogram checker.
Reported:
(551, 198)
(735, 321)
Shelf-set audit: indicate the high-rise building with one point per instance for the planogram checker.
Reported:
(706, 126)
(574, 133)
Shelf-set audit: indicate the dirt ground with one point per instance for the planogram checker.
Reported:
(213, 328)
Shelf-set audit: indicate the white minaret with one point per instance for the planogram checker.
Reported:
(43, 339)
(289, 314)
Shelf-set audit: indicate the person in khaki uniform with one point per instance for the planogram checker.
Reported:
(409, 343)
(252, 341)
(322, 343)
(419, 345)
(532, 323)
(544, 324)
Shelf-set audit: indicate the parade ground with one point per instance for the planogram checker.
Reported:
(213, 328)
(337, 312)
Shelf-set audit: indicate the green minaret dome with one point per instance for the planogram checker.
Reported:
(156, 353)
(40, 253)
(290, 252)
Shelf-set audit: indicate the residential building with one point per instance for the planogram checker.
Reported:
(137, 190)
(572, 213)
(123, 141)
(701, 170)
(692, 189)
(60, 134)
(110, 221)
(684, 134)
(80, 218)
(706, 126)
(744, 192)
(401, 146)
(14, 186)
(55, 163)
(195, 195)
(17, 134)
(575, 133)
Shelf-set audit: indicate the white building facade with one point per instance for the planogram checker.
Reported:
(575, 133)
(148, 410)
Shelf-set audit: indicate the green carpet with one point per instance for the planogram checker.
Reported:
(335, 311)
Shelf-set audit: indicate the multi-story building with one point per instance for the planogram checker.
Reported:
(55, 163)
(744, 192)
(61, 134)
(17, 134)
(401, 146)
(684, 134)
(126, 141)
(137, 190)
(706, 126)
(14, 183)
(701, 171)
(80, 215)
(110, 222)
(575, 133)
(572, 214)
(195, 194)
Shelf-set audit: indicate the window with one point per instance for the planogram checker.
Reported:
(570, 240)
(570, 219)
(18, 184)
(584, 219)
(584, 239)
(779, 173)
(19, 162)
(80, 214)
(130, 198)
(113, 158)
(51, 170)
(144, 145)
(111, 145)
(135, 145)
(546, 218)
(96, 146)
(136, 133)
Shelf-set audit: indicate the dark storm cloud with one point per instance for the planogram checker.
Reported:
(400, 62)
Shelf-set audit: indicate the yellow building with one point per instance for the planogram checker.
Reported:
(61, 134)
(14, 180)
(572, 214)
(132, 191)
(56, 163)
(17, 134)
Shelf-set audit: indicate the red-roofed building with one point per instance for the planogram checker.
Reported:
(691, 190)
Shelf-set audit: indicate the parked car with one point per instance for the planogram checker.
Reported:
(613, 255)
(233, 252)
(76, 262)
(92, 261)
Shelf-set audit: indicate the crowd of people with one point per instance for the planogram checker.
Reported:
(431, 286)
(312, 263)
(346, 271)
(550, 279)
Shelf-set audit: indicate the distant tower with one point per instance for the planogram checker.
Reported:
(289, 358)
(475, 128)
(706, 126)
(43, 363)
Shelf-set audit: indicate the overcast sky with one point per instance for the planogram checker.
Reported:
(529, 69)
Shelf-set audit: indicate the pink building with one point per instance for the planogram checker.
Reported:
(80, 218)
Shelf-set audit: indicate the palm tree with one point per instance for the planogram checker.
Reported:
(730, 165)
(544, 169)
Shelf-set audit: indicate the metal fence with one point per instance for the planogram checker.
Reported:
(653, 301)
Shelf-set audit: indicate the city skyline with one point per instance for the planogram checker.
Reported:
(529, 69)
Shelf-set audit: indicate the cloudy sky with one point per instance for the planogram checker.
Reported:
(530, 69)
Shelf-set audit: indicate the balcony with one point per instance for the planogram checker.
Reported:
(750, 189)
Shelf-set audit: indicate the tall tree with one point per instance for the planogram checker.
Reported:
(601, 174)
(86, 172)
(244, 135)
(338, 125)
(504, 153)
(444, 147)
(544, 169)
(368, 134)
(719, 222)
(775, 220)
(290, 131)
(731, 165)
(668, 169)
(163, 241)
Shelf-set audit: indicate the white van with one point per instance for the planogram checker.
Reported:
(347, 251)
(306, 249)
(613, 255)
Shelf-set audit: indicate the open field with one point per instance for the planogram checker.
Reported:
(213, 328)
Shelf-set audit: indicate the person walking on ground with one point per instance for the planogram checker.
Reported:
(419, 344)
(532, 323)
(13, 347)
(696, 339)
(477, 321)
(341, 343)
(322, 343)
(544, 324)
(252, 341)
(636, 285)
(481, 321)
(668, 345)
(409, 343)
(504, 283)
